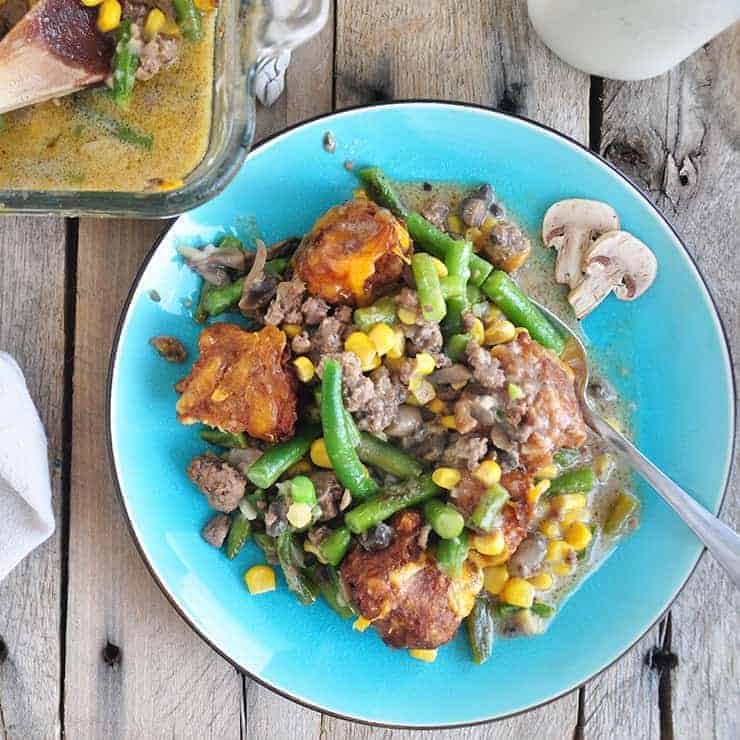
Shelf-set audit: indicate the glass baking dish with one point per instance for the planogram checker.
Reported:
(249, 34)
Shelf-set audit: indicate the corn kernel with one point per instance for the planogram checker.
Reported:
(483, 561)
(91, 3)
(383, 338)
(154, 22)
(375, 363)
(575, 515)
(495, 578)
(541, 582)
(472, 234)
(164, 186)
(499, 559)
(260, 579)
(476, 331)
(557, 550)
(493, 314)
(406, 316)
(446, 477)
(547, 471)
(551, 529)
(499, 332)
(488, 223)
(361, 624)
(359, 344)
(534, 493)
(424, 363)
(170, 28)
(562, 569)
(304, 369)
(109, 15)
(423, 392)
(302, 467)
(458, 386)
(299, 515)
(488, 472)
(518, 592)
(204, 5)
(448, 422)
(603, 465)
(440, 267)
(427, 656)
(437, 406)
(219, 394)
(455, 224)
(319, 456)
(514, 391)
(489, 544)
(292, 330)
(396, 352)
(568, 502)
(578, 535)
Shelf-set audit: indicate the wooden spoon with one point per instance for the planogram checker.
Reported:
(54, 50)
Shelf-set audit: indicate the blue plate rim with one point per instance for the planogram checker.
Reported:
(410, 103)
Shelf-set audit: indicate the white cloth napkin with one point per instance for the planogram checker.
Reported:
(26, 516)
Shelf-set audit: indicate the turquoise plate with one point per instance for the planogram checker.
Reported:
(679, 377)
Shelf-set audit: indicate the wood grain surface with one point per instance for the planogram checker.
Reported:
(32, 303)
(93, 648)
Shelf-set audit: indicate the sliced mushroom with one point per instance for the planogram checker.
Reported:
(616, 261)
(213, 263)
(474, 208)
(570, 226)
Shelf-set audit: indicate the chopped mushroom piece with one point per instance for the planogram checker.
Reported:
(170, 348)
(570, 226)
(616, 261)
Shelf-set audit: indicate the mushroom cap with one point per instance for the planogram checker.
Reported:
(628, 259)
(590, 216)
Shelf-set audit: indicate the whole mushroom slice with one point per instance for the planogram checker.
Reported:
(570, 226)
(616, 261)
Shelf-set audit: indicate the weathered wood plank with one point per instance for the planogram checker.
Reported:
(32, 329)
(480, 52)
(677, 136)
(156, 678)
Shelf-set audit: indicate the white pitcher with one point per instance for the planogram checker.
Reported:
(629, 39)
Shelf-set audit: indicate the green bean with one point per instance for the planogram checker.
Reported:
(580, 480)
(383, 311)
(457, 259)
(327, 580)
(228, 241)
(188, 18)
(267, 545)
(380, 189)
(427, 286)
(452, 286)
(475, 294)
(566, 456)
(124, 65)
(290, 562)
(485, 514)
(436, 242)
(272, 463)
(201, 314)
(223, 439)
(388, 457)
(120, 130)
(384, 505)
(258, 501)
(452, 323)
(623, 508)
(349, 470)
(456, 346)
(451, 554)
(352, 430)
(277, 266)
(585, 554)
(505, 293)
(446, 521)
(223, 298)
(334, 546)
(504, 610)
(543, 610)
(238, 534)
(481, 630)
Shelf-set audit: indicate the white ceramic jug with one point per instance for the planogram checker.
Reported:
(629, 39)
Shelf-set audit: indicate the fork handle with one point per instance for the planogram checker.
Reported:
(722, 541)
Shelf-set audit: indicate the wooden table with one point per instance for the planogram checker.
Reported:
(89, 647)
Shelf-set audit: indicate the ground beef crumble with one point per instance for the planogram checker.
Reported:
(221, 483)
(286, 306)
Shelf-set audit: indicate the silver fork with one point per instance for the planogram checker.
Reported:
(722, 541)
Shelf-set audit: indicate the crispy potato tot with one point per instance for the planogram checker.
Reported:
(352, 252)
(240, 383)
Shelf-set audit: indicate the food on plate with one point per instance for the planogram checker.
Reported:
(144, 127)
(398, 430)
(594, 257)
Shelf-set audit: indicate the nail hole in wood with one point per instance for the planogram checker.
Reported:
(111, 654)
(3, 650)
(660, 659)
(683, 178)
